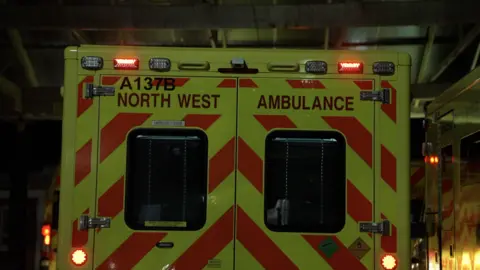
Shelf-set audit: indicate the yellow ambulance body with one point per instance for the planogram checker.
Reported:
(454, 135)
(185, 159)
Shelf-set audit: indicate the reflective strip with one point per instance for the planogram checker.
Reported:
(250, 165)
(221, 165)
(82, 103)
(270, 122)
(364, 84)
(358, 206)
(228, 83)
(247, 83)
(390, 109)
(83, 162)
(79, 238)
(389, 243)
(388, 168)
(132, 250)
(265, 251)
(305, 83)
(212, 241)
(115, 132)
(358, 136)
(110, 203)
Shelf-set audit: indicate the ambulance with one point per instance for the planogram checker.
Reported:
(190, 158)
(452, 157)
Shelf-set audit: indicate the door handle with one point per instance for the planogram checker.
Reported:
(164, 245)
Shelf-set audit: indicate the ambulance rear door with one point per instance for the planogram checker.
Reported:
(305, 173)
(161, 137)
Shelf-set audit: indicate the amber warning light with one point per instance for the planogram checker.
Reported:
(350, 67)
(433, 160)
(125, 63)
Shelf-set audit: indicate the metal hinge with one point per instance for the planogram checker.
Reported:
(382, 228)
(381, 95)
(96, 91)
(85, 222)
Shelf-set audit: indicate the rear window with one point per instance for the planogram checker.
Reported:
(305, 181)
(166, 182)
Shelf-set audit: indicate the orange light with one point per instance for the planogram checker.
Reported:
(46, 240)
(350, 67)
(389, 262)
(125, 63)
(432, 160)
(46, 230)
(79, 257)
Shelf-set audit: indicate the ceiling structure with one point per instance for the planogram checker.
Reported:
(440, 35)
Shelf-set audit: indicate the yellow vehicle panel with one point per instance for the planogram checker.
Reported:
(212, 109)
(278, 107)
(235, 148)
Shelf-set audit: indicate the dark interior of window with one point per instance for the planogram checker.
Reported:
(470, 159)
(416, 210)
(305, 181)
(417, 219)
(166, 180)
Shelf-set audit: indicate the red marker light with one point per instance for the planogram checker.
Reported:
(126, 63)
(350, 67)
(46, 229)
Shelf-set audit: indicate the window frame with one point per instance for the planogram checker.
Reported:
(128, 173)
(321, 134)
